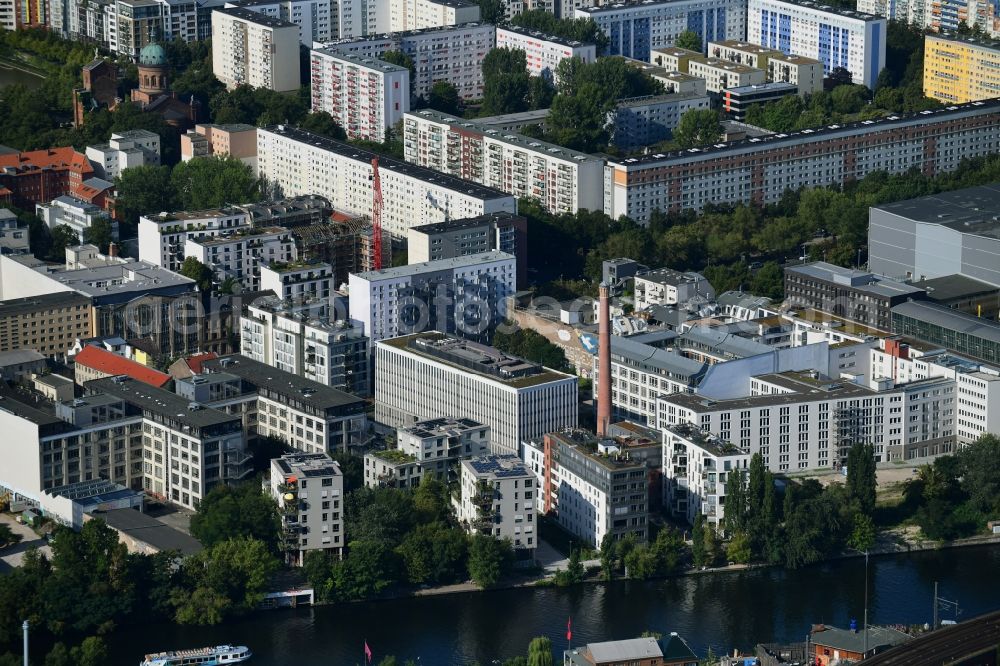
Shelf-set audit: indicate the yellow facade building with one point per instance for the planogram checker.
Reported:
(958, 70)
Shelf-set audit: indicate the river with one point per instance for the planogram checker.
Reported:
(723, 611)
(10, 75)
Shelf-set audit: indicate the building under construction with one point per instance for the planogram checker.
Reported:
(343, 241)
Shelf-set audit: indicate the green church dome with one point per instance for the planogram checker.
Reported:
(153, 55)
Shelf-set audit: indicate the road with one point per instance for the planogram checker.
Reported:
(12, 556)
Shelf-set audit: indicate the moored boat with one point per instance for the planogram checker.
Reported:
(219, 655)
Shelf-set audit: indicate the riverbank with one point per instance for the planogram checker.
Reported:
(6, 62)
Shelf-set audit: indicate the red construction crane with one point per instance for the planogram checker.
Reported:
(376, 216)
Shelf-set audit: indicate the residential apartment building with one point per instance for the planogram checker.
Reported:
(93, 362)
(805, 73)
(838, 38)
(435, 446)
(518, 400)
(304, 163)
(314, 19)
(542, 52)
(47, 323)
(635, 28)
(937, 15)
(643, 121)
(960, 69)
(741, 52)
(594, 486)
(464, 296)
(298, 281)
(951, 233)
(858, 296)
(673, 58)
(501, 232)
(13, 234)
(187, 449)
(305, 340)
(696, 467)
(307, 415)
(124, 150)
(665, 286)
(240, 255)
(205, 140)
(366, 96)
(164, 236)
(498, 500)
(255, 49)
(74, 213)
(562, 180)
(451, 53)
(760, 169)
(309, 490)
(39, 176)
(737, 101)
(721, 74)
(418, 14)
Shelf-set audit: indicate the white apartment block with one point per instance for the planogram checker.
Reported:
(937, 15)
(309, 490)
(239, 255)
(435, 446)
(254, 49)
(124, 150)
(542, 52)
(836, 37)
(761, 169)
(498, 500)
(665, 286)
(298, 281)
(304, 163)
(314, 18)
(366, 96)
(720, 74)
(451, 53)
(518, 400)
(418, 14)
(634, 29)
(354, 19)
(562, 180)
(304, 340)
(642, 121)
(696, 468)
(163, 236)
(806, 73)
(465, 295)
(74, 213)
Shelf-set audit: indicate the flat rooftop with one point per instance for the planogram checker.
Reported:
(652, 100)
(556, 39)
(828, 131)
(132, 277)
(741, 45)
(774, 87)
(704, 439)
(63, 299)
(525, 117)
(721, 63)
(160, 401)
(948, 318)
(974, 210)
(395, 36)
(500, 218)
(951, 287)
(451, 263)
(308, 392)
(363, 61)
(656, 359)
(510, 138)
(185, 215)
(308, 464)
(441, 426)
(386, 163)
(255, 17)
(855, 279)
(149, 530)
(17, 356)
(805, 389)
(499, 467)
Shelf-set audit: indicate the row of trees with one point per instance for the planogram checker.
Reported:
(507, 87)
(533, 346)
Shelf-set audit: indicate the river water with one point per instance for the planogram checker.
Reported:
(9, 75)
(723, 611)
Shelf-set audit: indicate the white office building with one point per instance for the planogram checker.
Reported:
(124, 150)
(542, 52)
(309, 490)
(465, 295)
(74, 213)
(634, 29)
(255, 49)
(298, 280)
(365, 96)
(302, 338)
(518, 400)
(562, 180)
(304, 163)
(498, 499)
(435, 446)
(163, 236)
(838, 38)
(452, 53)
(696, 467)
(239, 255)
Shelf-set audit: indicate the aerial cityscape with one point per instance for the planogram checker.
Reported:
(499, 332)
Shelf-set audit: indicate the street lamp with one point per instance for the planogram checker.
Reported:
(866, 603)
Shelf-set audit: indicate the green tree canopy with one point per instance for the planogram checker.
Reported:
(580, 30)
(698, 127)
(211, 182)
(689, 39)
(144, 190)
(506, 84)
(228, 512)
(443, 97)
(197, 271)
(489, 559)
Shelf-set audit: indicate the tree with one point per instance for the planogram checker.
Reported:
(211, 182)
(738, 549)
(489, 559)
(92, 652)
(492, 11)
(99, 233)
(608, 556)
(698, 127)
(689, 39)
(63, 236)
(533, 346)
(861, 476)
(540, 652)
(197, 271)
(371, 567)
(505, 81)
(229, 577)
(7, 536)
(574, 573)
(540, 93)
(444, 97)
(322, 123)
(735, 517)
(434, 554)
(698, 540)
(980, 464)
(863, 535)
(711, 545)
(581, 30)
(227, 512)
(144, 190)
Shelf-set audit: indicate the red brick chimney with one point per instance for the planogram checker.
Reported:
(604, 361)
(112, 250)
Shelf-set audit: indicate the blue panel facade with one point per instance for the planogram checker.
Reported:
(824, 47)
(720, 23)
(695, 23)
(627, 40)
(642, 36)
(785, 33)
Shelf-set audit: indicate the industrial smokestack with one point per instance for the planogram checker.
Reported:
(604, 362)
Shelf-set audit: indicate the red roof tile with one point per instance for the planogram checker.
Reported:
(194, 362)
(108, 362)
